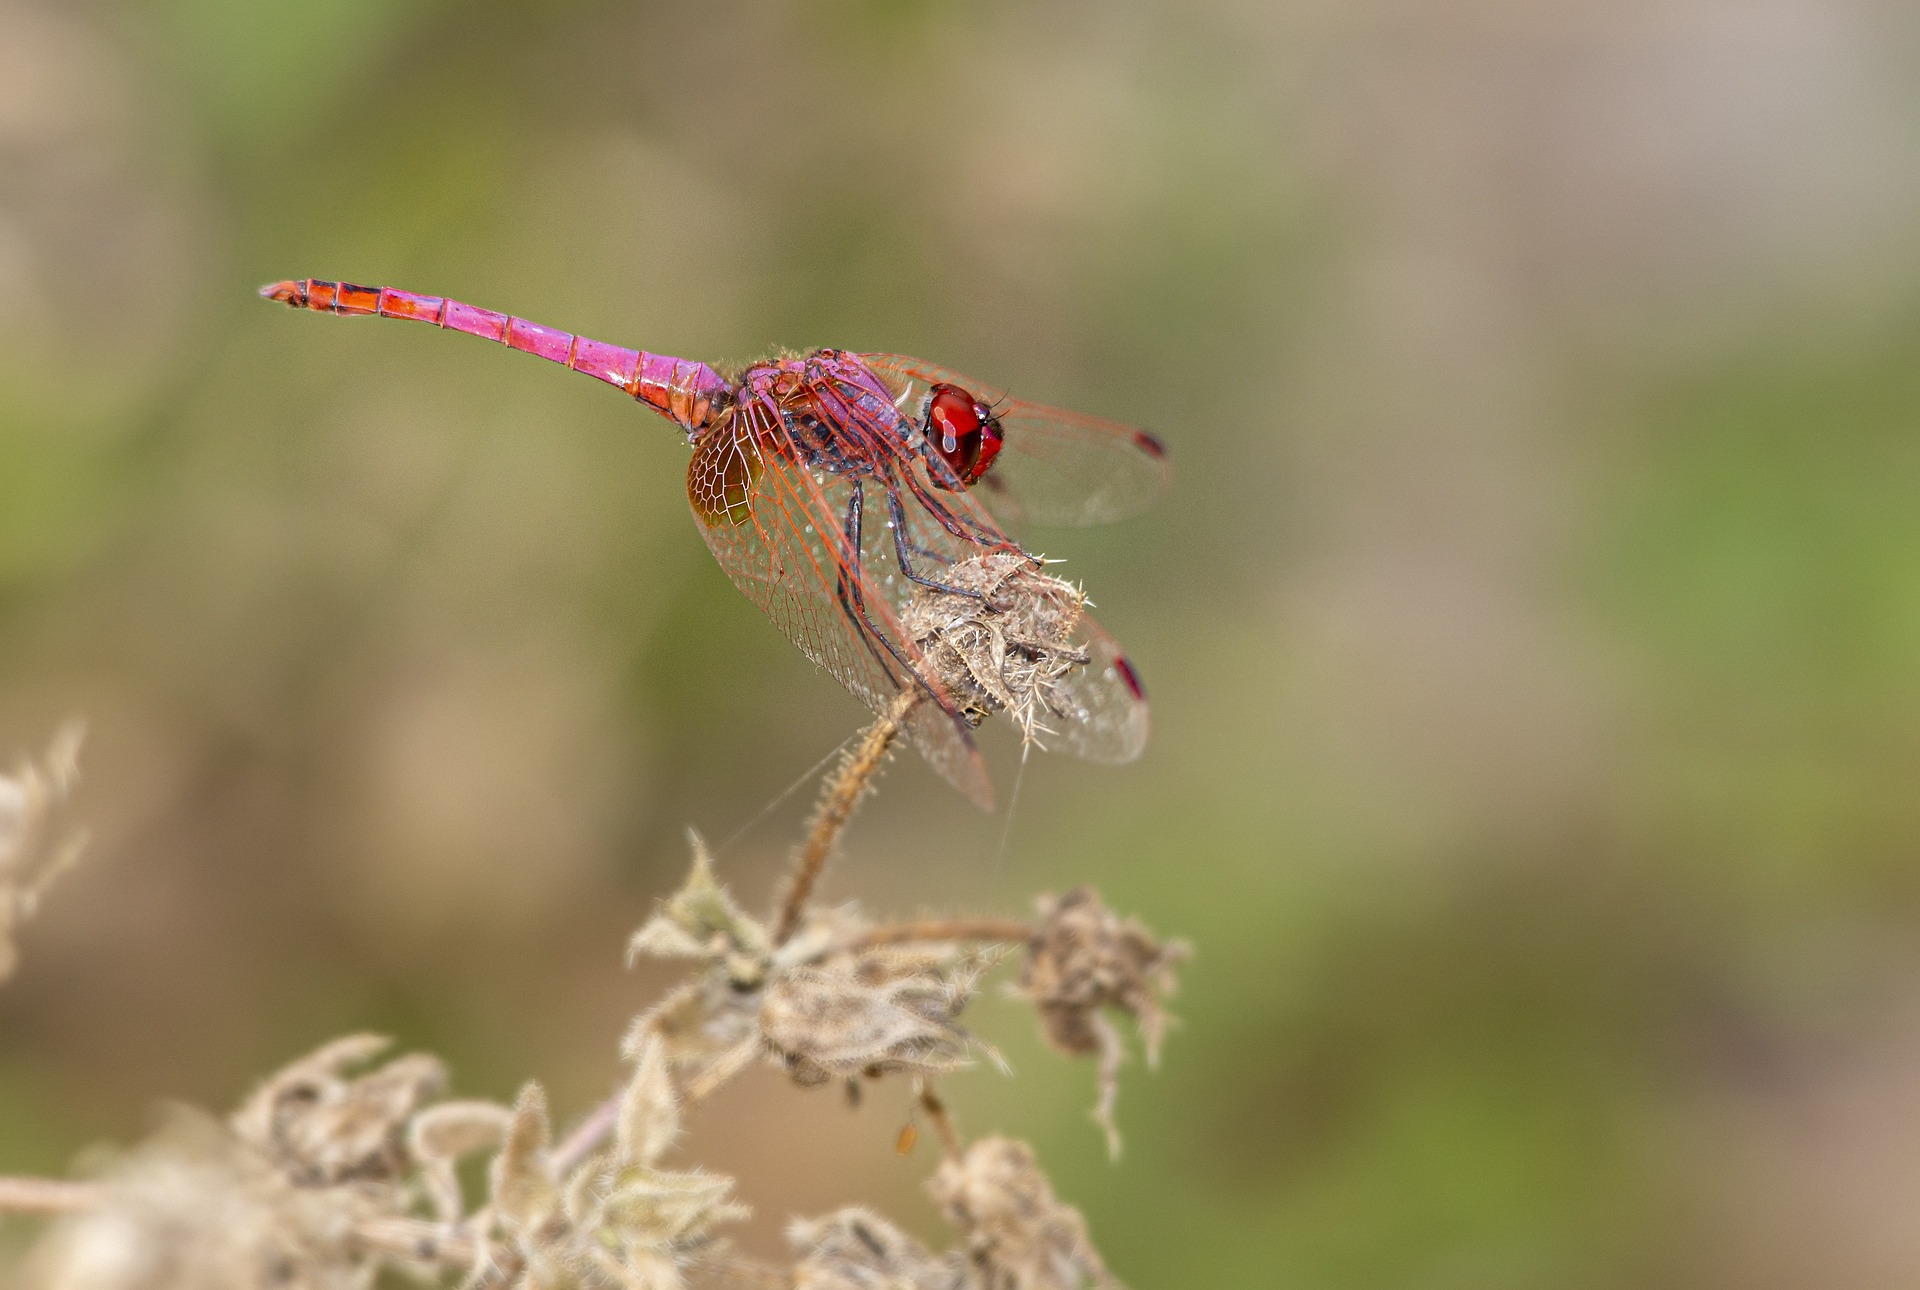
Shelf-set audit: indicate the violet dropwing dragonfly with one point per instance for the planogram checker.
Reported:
(833, 485)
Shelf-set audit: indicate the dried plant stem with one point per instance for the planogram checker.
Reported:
(838, 800)
(47, 1196)
(592, 1132)
(921, 931)
(942, 1122)
(587, 1135)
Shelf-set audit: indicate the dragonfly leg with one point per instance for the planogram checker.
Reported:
(853, 601)
(959, 523)
(902, 543)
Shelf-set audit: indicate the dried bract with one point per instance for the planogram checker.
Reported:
(198, 1209)
(1019, 1235)
(617, 1220)
(441, 1136)
(1083, 959)
(814, 1010)
(856, 1249)
(881, 1011)
(30, 860)
(1010, 648)
(700, 921)
(323, 1128)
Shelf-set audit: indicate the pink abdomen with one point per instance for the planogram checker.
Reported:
(680, 389)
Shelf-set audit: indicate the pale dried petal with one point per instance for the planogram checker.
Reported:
(650, 1110)
(876, 1012)
(690, 920)
(698, 1021)
(523, 1190)
(657, 1209)
(441, 1136)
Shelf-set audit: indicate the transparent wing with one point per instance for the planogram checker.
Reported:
(1057, 467)
(778, 531)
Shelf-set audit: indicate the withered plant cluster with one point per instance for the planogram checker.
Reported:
(32, 852)
(348, 1165)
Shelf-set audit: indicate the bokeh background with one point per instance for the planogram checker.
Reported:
(1534, 626)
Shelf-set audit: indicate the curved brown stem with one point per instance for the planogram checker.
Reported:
(840, 797)
(942, 1122)
(587, 1135)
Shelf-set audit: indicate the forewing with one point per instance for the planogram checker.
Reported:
(1057, 466)
(777, 530)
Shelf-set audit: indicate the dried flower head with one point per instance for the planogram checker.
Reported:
(856, 1249)
(198, 1209)
(815, 1010)
(877, 1012)
(322, 1127)
(30, 860)
(708, 1026)
(1019, 1235)
(1010, 648)
(1084, 959)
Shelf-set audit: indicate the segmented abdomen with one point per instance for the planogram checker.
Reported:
(680, 389)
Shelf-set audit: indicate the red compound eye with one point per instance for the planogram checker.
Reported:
(962, 432)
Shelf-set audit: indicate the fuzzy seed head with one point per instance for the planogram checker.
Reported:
(1085, 959)
(1019, 1235)
(322, 1128)
(1010, 650)
(877, 1012)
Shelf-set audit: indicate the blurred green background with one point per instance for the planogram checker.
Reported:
(1533, 628)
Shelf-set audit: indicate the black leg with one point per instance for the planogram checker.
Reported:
(961, 525)
(854, 602)
(902, 544)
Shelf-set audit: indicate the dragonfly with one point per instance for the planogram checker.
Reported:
(835, 486)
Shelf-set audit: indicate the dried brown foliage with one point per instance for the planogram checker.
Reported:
(341, 1167)
(1083, 960)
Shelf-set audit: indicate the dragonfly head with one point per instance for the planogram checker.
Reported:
(962, 431)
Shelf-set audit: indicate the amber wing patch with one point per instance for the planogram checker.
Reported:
(721, 477)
